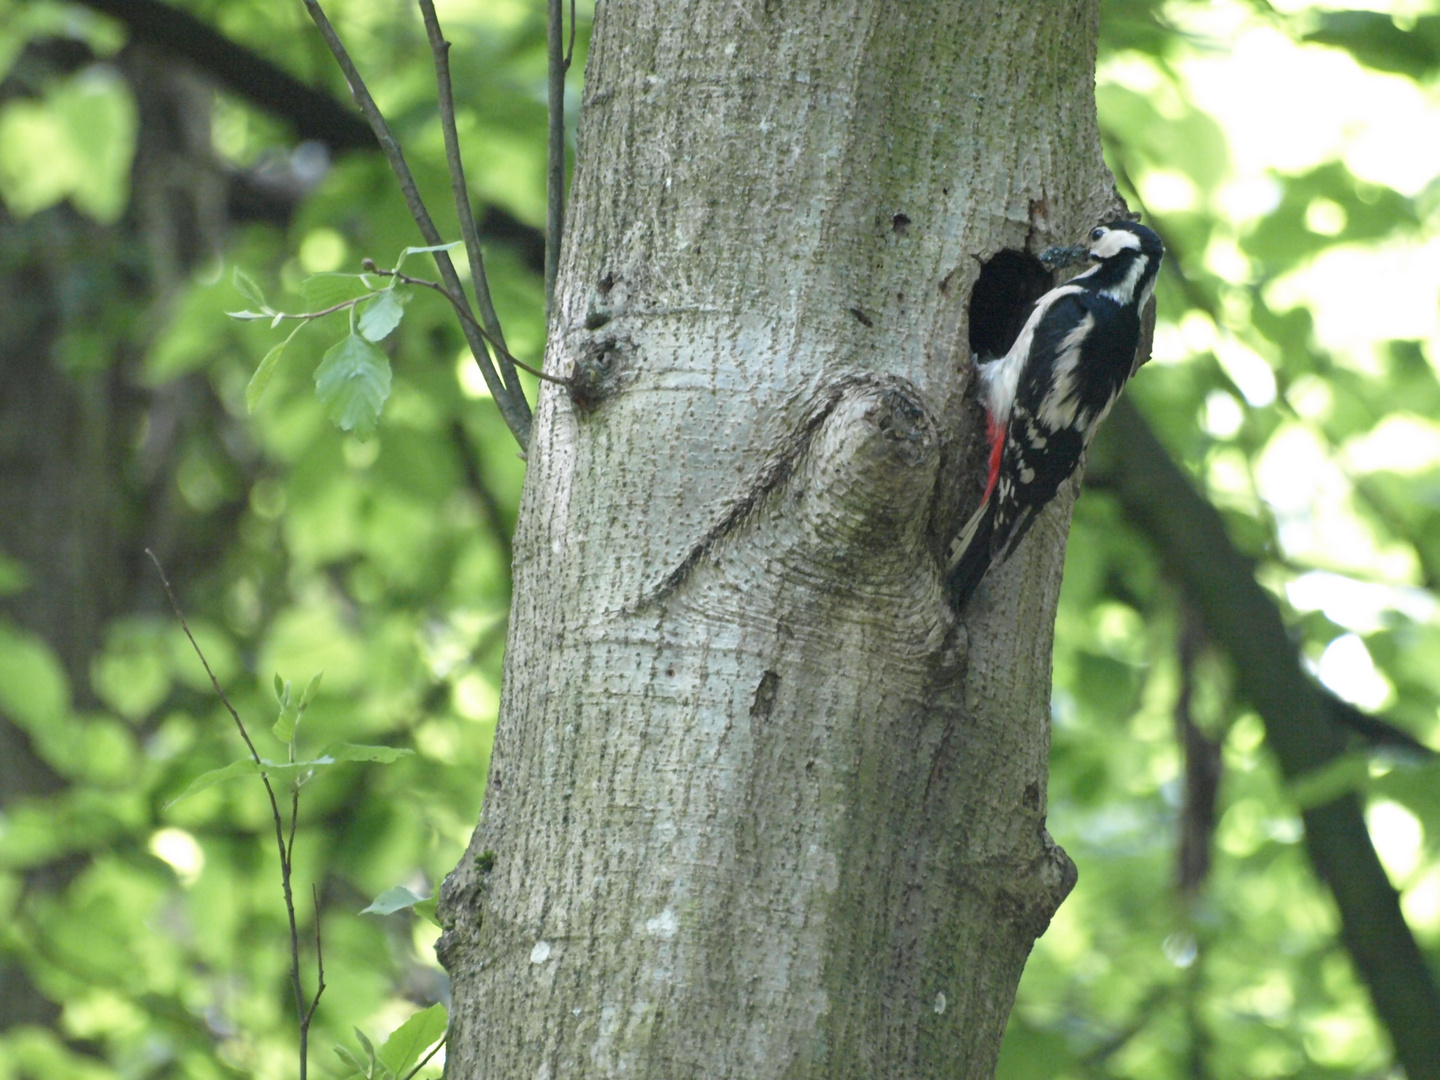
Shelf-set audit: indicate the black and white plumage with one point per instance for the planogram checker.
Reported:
(1046, 397)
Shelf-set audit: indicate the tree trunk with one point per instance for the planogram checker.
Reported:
(760, 805)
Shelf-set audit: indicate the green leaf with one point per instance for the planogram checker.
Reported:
(263, 373)
(282, 689)
(408, 1043)
(369, 1048)
(206, 780)
(382, 314)
(352, 382)
(392, 900)
(286, 723)
(385, 755)
(348, 1056)
(428, 910)
(310, 688)
(291, 711)
(245, 285)
(326, 290)
(424, 250)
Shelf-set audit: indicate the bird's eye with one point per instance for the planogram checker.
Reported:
(1097, 233)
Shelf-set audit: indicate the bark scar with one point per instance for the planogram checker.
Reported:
(779, 466)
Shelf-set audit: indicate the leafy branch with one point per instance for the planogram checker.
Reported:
(296, 772)
(353, 379)
(479, 334)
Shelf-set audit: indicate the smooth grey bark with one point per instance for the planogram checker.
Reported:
(759, 805)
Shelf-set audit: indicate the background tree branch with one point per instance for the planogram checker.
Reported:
(1190, 539)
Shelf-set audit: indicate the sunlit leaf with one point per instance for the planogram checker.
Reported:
(392, 900)
(383, 755)
(310, 688)
(352, 383)
(408, 1043)
(247, 287)
(378, 317)
(265, 371)
(206, 780)
(371, 1068)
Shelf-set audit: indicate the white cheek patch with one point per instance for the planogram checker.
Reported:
(1113, 242)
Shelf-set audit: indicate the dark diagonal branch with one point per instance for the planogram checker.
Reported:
(1190, 539)
(314, 113)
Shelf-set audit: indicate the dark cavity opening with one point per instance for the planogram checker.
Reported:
(1009, 285)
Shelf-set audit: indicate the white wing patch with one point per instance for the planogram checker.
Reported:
(1000, 379)
(1057, 409)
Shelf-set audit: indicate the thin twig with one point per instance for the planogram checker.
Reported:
(175, 606)
(513, 407)
(319, 963)
(319, 985)
(555, 152)
(461, 190)
(570, 48)
(469, 320)
(301, 1013)
(426, 1059)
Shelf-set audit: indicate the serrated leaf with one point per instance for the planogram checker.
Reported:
(408, 1043)
(385, 755)
(381, 315)
(263, 373)
(352, 382)
(392, 900)
(246, 286)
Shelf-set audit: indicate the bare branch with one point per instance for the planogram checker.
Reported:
(555, 153)
(513, 407)
(466, 317)
(471, 235)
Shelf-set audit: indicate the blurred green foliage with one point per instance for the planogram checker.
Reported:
(158, 930)
(1297, 443)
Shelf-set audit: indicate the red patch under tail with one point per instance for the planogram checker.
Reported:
(996, 434)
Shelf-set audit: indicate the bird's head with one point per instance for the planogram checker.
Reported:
(1127, 257)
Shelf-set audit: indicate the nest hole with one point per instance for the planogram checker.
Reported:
(1010, 282)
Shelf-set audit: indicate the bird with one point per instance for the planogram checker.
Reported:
(1045, 398)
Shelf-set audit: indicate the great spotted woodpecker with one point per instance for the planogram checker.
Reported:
(1045, 398)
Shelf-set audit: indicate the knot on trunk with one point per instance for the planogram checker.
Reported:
(865, 485)
(842, 500)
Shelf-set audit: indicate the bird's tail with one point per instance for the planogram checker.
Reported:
(970, 554)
